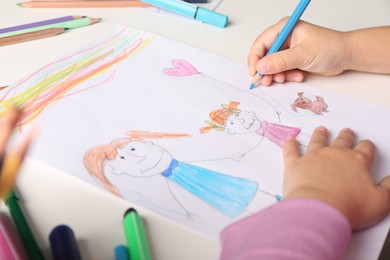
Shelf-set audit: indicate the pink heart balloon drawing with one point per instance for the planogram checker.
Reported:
(181, 68)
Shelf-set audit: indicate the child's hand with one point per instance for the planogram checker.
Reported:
(309, 48)
(338, 174)
(8, 123)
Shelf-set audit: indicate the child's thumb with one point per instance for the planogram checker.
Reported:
(281, 61)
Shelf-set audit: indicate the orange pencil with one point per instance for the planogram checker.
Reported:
(30, 36)
(84, 4)
(8, 174)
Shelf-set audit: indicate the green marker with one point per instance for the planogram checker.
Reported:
(32, 249)
(136, 239)
(67, 25)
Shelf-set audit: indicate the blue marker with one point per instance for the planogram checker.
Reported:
(63, 244)
(121, 253)
(288, 27)
(192, 11)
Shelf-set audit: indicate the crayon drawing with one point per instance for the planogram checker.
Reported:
(181, 68)
(237, 121)
(317, 106)
(61, 78)
(139, 135)
(130, 79)
(144, 159)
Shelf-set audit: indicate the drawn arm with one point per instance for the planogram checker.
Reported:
(239, 156)
(236, 157)
(278, 115)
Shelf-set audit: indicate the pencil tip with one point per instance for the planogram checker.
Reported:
(19, 4)
(95, 20)
(251, 86)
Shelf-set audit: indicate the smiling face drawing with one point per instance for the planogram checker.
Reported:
(139, 159)
(232, 119)
(242, 122)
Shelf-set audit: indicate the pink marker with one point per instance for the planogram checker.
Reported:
(9, 249)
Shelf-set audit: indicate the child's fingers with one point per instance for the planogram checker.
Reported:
(319, 139)
(345, 139)
(24, 143)
(262, 44)
(384, 186)
(284, 60)
(7, 124)
(266, 80)
(291, 151)
(367, 148)
(381, 206)
(294, 76)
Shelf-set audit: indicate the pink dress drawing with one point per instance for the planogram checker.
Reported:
(277, 133)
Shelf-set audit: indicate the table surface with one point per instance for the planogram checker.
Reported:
(51, 197)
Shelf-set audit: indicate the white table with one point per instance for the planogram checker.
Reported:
(51, 197)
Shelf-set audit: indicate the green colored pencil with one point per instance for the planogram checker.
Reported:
(66, 25)
(32, 249)
(136, 239)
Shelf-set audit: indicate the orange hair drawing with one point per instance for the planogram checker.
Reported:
(220, 116)
(138, 135)
(94, 161)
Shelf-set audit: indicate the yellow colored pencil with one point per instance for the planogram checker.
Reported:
(84, 4)
(30, 36)
(8, 174)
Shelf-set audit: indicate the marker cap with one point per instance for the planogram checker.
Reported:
(211, 17)
(121, 253)
(63, 244)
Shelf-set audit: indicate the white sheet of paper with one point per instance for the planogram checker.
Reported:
(130, 80)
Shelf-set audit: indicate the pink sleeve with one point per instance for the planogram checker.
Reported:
(291, 229)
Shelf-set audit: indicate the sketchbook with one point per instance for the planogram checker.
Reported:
(176, 129)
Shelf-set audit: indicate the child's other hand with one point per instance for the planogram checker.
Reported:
(338, 174)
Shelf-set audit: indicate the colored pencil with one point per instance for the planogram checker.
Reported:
(30, 244)
(84, 4)
(24, 37)
(40, 23)
(288, 27)
(67, 25)
(10, 168)
(9, 248)
(136, 238)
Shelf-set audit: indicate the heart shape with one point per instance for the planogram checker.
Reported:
(181, 68)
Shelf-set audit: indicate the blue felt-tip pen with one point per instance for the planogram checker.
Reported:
(288, 27)
(192, 11)
(64, 244)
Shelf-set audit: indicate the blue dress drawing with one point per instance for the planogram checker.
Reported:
(228, 194)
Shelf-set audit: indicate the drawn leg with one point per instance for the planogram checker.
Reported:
(278, 197)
